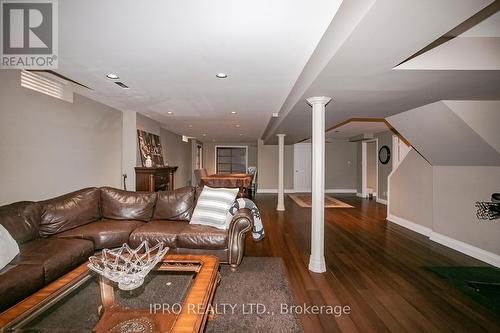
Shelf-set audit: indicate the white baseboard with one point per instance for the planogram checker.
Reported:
(470, 250)
(382, 201)
(334, 190)
(409, 225)
(341, 190)
(273, 190)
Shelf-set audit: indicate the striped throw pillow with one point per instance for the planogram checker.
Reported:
(213, 205)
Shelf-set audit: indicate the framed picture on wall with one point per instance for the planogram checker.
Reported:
(150, 145)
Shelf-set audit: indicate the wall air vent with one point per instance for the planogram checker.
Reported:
(122, 85)
(47, 85)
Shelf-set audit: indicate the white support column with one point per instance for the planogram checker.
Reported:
(317, 259)
(281, 173)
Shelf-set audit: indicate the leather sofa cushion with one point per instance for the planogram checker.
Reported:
(180, 234)
(175, 205)
(18, 282)
(57, 256)
(21, 219)
(104, 233)
(195, 236)
(70, 211)
(124, 205)
(157, 231)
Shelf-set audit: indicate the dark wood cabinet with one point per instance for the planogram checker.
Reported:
(154, 179)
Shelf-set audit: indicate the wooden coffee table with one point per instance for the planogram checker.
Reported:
(175, 297)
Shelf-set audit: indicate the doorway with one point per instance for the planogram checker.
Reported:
(302, 180)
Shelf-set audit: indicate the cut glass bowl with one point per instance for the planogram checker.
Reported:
(128, 267)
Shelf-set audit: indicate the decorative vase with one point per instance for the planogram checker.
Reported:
(149, 162)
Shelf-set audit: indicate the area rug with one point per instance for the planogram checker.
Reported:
(305, 200)
(250, 299)
(482, 284)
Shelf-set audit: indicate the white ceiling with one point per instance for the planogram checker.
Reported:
(358, 74)
(354, 128)
(168, 53)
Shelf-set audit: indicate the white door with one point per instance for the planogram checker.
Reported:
(302, 167)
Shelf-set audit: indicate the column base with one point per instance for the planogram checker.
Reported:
(280, 208)
(317, 265)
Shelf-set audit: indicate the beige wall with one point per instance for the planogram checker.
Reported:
(455, 190)
(268, 166)
(50, 147)
(384, 139)
(340, 165)
(411, 190)
(175, 151)
(359, 169)
(371, 165)
(209, 153)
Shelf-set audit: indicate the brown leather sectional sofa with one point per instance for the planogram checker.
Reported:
(59, 234)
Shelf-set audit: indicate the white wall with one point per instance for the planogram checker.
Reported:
(50, 147)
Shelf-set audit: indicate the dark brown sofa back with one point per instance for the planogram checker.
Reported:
(176, 205)
(124, 205)
(21, 219)
(70, 211)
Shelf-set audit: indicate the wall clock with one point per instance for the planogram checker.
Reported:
(384, 155)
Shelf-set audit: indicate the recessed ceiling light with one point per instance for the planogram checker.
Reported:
(190, 126)
(112, 76)
(170, 112)
(241, 134)
(237, 126)
(234, 112)
(221, 75)
(204, 134)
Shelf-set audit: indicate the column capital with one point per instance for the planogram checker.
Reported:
(318, 100)
(280, 134)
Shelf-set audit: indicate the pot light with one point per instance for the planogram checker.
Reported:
(112, 76)
(170, 112)
(234, 112)
(241, 134)
(221, 75)
(237, 126)
(190, 126)
(204, 134)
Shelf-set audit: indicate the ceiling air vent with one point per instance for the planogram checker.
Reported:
(122, 85)
(47, 85)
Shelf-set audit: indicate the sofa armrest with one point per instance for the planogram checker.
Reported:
(241, 223)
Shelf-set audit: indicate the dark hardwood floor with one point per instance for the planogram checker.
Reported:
(374, 267)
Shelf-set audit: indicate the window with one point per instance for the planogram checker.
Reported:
(231, 159)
